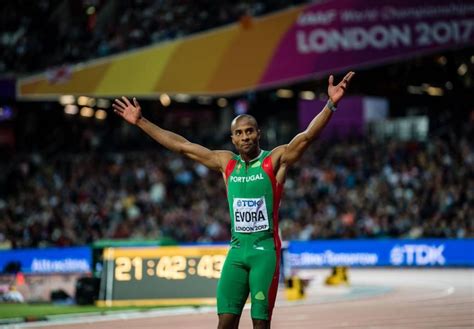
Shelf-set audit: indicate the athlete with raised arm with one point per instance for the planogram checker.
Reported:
(254, 179)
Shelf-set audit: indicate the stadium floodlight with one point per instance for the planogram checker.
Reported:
(307, 95)
(284, 93)
(82, 100)
(462, 69)
(100, 114)
(71, 109)
(91, 102)
(103, 103)
(66, 100)
(222, 102)
(183, 98)
(434, 91)
(165, 100)
(87, 112)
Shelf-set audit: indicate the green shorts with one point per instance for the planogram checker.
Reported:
(252, 265)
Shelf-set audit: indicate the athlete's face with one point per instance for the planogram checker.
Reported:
(246, 136)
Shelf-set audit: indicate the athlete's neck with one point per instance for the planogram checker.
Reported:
(249, 157)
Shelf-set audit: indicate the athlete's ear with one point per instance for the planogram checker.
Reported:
(232, 139)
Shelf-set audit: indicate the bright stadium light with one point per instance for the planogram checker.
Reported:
(165, 100)
(100, 115)
(67, 99)
(90, 10)
(82, 100)
(434, 91)
(462, 69)
(307, 95)
(87, 112)
(71, 109)
(284, 93)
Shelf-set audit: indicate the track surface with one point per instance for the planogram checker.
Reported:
(377, 298)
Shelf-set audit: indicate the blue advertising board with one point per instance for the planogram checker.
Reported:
(49, 260)
(423, 252)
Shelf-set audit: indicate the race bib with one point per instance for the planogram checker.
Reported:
(250, 215)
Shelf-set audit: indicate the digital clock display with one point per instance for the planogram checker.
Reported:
(161, 275)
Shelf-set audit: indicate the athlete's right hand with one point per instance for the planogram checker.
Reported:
(131, 113)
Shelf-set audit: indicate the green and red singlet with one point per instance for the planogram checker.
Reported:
(252, 264)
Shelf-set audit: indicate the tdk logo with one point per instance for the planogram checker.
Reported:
(249, 203)
(417, 254)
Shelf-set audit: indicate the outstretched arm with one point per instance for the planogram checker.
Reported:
(132, 113)
(288, 154)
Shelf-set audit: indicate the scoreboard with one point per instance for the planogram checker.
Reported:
(161, 275)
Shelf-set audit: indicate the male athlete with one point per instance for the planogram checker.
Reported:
(254, 179)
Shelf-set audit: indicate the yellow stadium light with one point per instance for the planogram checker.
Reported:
(307, 95)
(100, 115)
(165, 100)
(434, 91)
(284, 93)
(82, 100)
(87, 112)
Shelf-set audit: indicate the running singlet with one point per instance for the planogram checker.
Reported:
(252, 264)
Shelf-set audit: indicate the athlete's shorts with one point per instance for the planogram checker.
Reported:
(252, 265)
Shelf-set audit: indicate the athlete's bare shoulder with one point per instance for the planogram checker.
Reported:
(224, 157)
(276, 155)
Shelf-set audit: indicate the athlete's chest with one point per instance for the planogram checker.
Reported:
(249, 180)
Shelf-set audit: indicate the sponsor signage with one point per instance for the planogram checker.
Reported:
(425, 252)
(48, 260)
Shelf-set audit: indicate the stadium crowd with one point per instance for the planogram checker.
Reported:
(340, 189)
(44, 34)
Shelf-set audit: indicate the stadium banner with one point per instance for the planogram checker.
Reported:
(390, 252)
(288, 46)
(47, 260)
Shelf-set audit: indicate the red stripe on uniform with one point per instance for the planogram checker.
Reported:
(229, 168)
(277, 191)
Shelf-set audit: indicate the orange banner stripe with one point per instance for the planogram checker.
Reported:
(195, 61)
(246, 59)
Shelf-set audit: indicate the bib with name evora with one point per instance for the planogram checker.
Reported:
(250, 192)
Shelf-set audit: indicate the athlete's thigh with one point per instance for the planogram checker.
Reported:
(264, 275)
(233, 285)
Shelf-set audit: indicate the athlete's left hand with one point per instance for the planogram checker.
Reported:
(336, 92)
